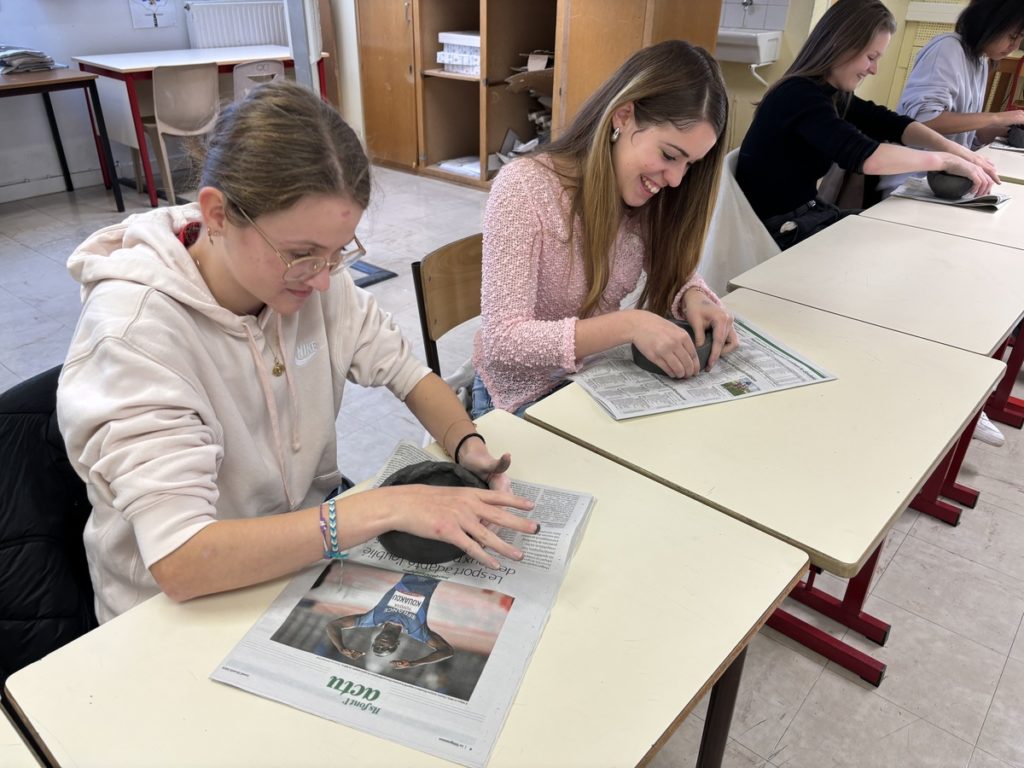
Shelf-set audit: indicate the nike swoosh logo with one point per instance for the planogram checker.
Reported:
(301, 361)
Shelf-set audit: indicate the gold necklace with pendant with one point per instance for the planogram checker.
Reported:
(278, 368)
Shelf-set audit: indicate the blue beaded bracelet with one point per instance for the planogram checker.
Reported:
(329, 532)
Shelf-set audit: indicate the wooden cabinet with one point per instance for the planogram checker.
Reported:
(387, 76)
(622, 27)
(417, 116)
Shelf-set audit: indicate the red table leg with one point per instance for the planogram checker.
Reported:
(951, 489)
(1001, 406)
(140, 135)
(847, 612)
(321, 72)
(927, 499)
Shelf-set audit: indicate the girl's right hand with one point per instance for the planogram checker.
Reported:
(665, 344)
(461, 516)
(980, 177)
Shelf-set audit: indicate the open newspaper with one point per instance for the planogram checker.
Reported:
(429, 656)
(1003, 145)
(759, 366)
(916, 188)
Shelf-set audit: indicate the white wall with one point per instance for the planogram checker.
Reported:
(64, 28)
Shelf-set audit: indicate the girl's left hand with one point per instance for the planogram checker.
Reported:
(475, 457)
(702, 313)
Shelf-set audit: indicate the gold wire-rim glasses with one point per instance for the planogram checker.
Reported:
(302, 269)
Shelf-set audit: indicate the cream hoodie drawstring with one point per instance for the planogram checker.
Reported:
(293, 399)
(268, 397)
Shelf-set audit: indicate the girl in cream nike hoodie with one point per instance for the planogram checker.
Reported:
(199, 396)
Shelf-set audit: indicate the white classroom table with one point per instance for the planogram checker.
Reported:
(1002, 227)
(125, 118)
(1010, 165)
(816, 466)
(14, 752)
(662, 595)
(952, 290)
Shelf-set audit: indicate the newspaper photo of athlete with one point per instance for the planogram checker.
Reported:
(412, 628)
(403, 608)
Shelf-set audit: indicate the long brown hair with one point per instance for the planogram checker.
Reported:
(674, 83)
(279, 144)
(846, 29)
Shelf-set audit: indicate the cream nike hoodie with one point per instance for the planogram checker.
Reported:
(169, 409)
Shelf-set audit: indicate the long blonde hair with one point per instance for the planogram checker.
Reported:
(674, 83)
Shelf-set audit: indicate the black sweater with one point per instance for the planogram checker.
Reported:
(796, 136)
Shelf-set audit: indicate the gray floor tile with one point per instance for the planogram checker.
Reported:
(1003, 733)
(982, 759)
(989, 535)
(682, 749)
(1017, 651)
(848, 726)
(964, 597)
(919, 653)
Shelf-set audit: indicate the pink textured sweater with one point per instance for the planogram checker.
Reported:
(534, 285)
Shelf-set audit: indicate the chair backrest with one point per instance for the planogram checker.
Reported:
(447, 285)
(186, 100)
(46, 597)
(252, 73)
(737, 239)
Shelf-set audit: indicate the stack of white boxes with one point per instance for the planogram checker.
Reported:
(461, 52)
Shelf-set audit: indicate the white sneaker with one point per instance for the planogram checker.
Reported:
(987, 432)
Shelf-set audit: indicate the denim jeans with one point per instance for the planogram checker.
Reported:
(482, 402)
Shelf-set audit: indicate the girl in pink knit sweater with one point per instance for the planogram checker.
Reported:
(627, 188)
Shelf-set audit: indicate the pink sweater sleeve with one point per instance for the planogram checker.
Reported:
(695, 281)
(520, 327)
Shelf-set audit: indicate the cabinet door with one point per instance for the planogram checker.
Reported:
(386, 74)
(622, 27)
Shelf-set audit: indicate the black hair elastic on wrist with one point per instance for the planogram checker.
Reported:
(462, 442)
(417, 549)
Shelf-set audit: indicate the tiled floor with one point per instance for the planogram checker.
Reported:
(954, 693)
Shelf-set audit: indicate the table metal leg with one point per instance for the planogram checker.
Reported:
(1001, 406)
(719, 715)
(951, 489)
(57, 143)
(927, 500)
(849, 612)
(140, 137)
(107, 158)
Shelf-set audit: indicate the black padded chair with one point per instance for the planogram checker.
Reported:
(46, 597)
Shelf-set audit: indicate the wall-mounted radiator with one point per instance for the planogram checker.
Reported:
(226, 23)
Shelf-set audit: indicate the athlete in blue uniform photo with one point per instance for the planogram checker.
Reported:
(403, 607)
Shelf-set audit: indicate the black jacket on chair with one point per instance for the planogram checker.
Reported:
(46, 597)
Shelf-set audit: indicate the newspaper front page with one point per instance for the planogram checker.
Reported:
(430, 656)
(759, 366)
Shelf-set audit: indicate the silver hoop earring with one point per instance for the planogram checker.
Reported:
(615, 135)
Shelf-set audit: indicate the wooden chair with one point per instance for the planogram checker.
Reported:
(447, 285)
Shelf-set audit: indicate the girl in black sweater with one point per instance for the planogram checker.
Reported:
(811, 118)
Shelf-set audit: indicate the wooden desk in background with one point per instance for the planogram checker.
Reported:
(131, 68)
(46, 83)
(660, 600)
(816, 465)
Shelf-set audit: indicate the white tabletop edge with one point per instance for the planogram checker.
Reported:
(686, 537)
